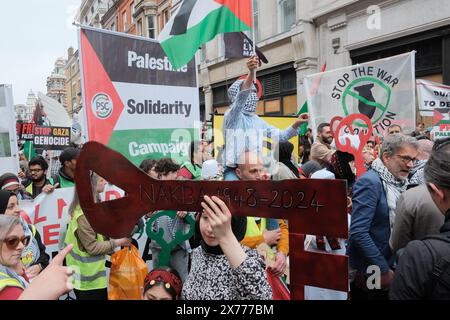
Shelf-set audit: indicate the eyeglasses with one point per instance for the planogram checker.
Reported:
(407, 159)
(13, 242)
(36, 170)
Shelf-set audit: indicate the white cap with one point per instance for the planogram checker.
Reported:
(323, 174)
(210, 169)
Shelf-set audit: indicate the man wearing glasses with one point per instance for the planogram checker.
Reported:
(38, 181)
(375, 196)
(424, 267)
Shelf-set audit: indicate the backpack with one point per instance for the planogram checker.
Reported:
(441, 269)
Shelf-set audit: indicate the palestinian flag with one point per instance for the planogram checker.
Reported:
(198, 21)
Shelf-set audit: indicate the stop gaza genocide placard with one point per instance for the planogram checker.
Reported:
(51, 138)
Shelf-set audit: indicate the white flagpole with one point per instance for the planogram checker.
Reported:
(253, 30)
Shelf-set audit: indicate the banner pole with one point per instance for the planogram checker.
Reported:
(253, 30)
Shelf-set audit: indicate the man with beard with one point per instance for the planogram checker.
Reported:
(68, 160)
(38, 182)
(375, 196)
(321, 148)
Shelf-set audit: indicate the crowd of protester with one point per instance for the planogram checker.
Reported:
(398, 214)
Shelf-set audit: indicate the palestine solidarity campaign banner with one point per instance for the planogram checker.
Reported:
(383, 90)
(136, 102)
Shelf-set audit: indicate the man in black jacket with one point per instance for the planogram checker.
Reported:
(424, 267)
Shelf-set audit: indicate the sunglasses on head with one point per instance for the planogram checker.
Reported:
(13, 242)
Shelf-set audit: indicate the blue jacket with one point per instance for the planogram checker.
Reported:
(369, 229)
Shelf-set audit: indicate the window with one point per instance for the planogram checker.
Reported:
(133, 11)
(220, 45)
(166, 16)
(92, 9)
(124, 21)
(203, 53)
(287, 14)
(139, 27)
(151, 26)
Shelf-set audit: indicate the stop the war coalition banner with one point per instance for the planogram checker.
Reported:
(383, 90)
(136, 103)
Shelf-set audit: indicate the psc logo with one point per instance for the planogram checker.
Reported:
(361, 93)
(102, 106)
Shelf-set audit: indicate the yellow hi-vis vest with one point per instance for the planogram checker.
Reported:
(7, 279)
(252, 227)
(29, 188)
(89, 271)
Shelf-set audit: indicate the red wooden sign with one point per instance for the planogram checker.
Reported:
(364, 136)
(311, 206)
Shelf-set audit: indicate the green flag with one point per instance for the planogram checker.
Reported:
(304, 126)
(29, 151)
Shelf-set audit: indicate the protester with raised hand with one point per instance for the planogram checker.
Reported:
(222, 268)
(53, 282)
(243, 129)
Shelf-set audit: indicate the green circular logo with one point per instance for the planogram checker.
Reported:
(362, 90)
(102, 106)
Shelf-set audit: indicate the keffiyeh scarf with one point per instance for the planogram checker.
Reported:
(252, 100)
(393, 187)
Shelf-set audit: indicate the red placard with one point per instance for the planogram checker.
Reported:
(311, 206)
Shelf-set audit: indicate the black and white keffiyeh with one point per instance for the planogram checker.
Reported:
(417, 176)
(393, 187)
(252, 99)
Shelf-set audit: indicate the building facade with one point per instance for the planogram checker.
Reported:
(126, 22)
(361, 31)
(110, 19)
(151, 16)
(73, 82)
(56, 82)
(91, 12)
(299, 36)
(276, 33)
(24, 112)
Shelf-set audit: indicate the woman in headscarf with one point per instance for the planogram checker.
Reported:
(285, 157)
(34, 258)
(222, 268)
(162, 283)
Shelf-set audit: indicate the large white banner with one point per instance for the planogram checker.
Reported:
(50, 214)
(383, 90)
(432, 96)
(9, 153)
